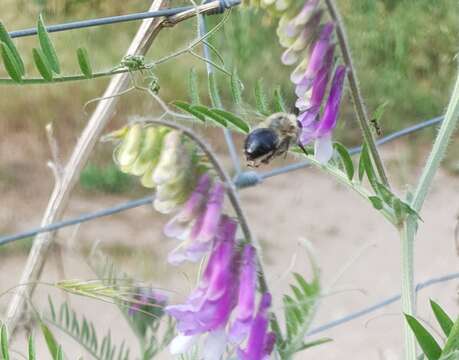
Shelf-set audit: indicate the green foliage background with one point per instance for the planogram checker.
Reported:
(404, 51)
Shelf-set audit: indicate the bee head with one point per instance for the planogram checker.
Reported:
(260, 142)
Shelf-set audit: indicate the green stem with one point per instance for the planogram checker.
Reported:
(360, 109)
(410, 226)
(59, 79)
(342, 178)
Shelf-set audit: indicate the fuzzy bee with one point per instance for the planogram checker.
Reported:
(272, 138)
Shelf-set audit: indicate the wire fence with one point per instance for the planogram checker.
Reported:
(242, 179)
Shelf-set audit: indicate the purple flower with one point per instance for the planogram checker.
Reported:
(318, 55)
(311, 94)
(213, 213)
(190, 210)
(289, 27)
(209, 306)
(321, 130)
(246, 298)
(202, 230)
(301, 41)
(260, 342)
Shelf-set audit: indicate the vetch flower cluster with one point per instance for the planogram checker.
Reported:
(309, 46)
(222, 309)
(162, 158)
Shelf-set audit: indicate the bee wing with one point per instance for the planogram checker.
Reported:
(248, 113)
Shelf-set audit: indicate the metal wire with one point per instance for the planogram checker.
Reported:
(114, 19)
(243, 180)
(226, 132)
(251, 178)
(379, 305)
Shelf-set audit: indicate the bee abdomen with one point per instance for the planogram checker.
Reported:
(260, 142)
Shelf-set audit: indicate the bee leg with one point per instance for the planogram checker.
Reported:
(302, 148)
(268, 158)
(287, 146)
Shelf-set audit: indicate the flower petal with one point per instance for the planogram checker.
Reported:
(331, 110)
(212, 213)
(215, 345)
(181, 343)
(323, 149)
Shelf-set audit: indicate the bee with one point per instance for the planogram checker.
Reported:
(272, 138)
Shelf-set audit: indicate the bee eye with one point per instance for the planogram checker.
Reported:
(260, 142)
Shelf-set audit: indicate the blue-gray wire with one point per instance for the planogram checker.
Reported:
(115, 19)
(243, 180)
(379, 305)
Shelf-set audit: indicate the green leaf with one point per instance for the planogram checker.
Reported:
(213, 91)
(366, 167)
(43, 67)
(310, 344)
(47, 46)
(261, 99)
(428, 344)
(385, 194)
(31, 348)
(234, 120)
(308, 289)
(236, 87)
(279, 102)
(397, 206)
(50, 341)
(193, 87)
(442, 317)
(59, 354)
(376, 202)
(4, 343)
(187, 108)
(346, 159)
(452, 343)
(83, 61)
(51, 309)
(378, 113)
(5, 37)
(209, 114)
(363, 157)
(11, 65)
(409, 210)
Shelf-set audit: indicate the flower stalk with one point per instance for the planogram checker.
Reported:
(408, 232)
(360, 109)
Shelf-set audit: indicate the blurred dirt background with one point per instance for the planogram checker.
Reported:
(398, 49)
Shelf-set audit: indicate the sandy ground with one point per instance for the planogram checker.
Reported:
(282, 212)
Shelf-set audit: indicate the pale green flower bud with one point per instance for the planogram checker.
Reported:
(171, 159)
(129, 150)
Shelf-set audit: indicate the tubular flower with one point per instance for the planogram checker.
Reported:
(191, 209)
(200, 232)
(208, 308)
(296, 36)
(173, 174)
(261, 342)
(246, 298)
(320, 131)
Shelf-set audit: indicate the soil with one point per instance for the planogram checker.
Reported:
(357, 250)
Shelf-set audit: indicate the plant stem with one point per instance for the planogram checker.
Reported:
(359, 105)
(410, 226)
(342, 178)
(234, 199)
